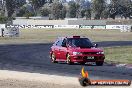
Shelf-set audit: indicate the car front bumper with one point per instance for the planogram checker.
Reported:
(87, 58)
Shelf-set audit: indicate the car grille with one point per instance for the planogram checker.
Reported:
(89, 53)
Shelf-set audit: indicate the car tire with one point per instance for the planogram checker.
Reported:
(68, 60)
(99, 63)
(53, 58)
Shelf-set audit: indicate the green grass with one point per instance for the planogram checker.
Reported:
(49, 35)
(119, 54)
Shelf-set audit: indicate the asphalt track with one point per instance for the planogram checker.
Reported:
(34, 58)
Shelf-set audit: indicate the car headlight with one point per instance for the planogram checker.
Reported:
(100, 52)
(77, 53)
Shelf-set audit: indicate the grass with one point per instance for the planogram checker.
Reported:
(49, 35)
(115, 54)
(119, 54)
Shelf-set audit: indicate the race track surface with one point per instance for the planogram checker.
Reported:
(34, 58)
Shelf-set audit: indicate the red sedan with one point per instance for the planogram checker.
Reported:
(76, 49)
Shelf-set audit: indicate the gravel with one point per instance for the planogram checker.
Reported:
(15, 79)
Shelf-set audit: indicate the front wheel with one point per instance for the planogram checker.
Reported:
(99, 63)
(68, 60)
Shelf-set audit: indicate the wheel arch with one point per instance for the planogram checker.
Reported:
(67, 54)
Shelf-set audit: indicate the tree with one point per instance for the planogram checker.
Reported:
(86, 9)
(120, 7)
(24, 12)
(88, 14)
(126, 8)
(3, 19)
(63, 12)
(98, 6)
(19, 3)
(45, 12)
(77, 10)
(36, 4)
(105, 14)
(73, 9)
(83, 13)
(57, 10)
(28, 14)
(10, 5)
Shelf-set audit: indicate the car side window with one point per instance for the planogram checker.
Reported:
(59, 43)
(55, 43)
(64, 43)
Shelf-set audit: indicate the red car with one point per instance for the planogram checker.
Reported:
(76, 49)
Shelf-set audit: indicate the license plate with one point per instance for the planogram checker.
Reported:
(90, 57)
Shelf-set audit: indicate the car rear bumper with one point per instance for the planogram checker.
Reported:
(85, 58)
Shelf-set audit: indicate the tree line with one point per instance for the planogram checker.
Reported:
(60, 9)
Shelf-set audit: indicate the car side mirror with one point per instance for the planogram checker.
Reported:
(95, 45)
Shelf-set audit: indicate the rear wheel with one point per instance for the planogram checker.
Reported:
(68, 60)
(53, 58)
(99, 63)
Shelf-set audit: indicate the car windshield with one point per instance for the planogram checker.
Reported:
(80, 42)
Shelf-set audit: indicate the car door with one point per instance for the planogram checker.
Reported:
(63, 50)
(57, 50)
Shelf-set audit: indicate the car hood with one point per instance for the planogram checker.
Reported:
(86, 49)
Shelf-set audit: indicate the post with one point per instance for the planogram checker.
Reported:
(2, 31)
